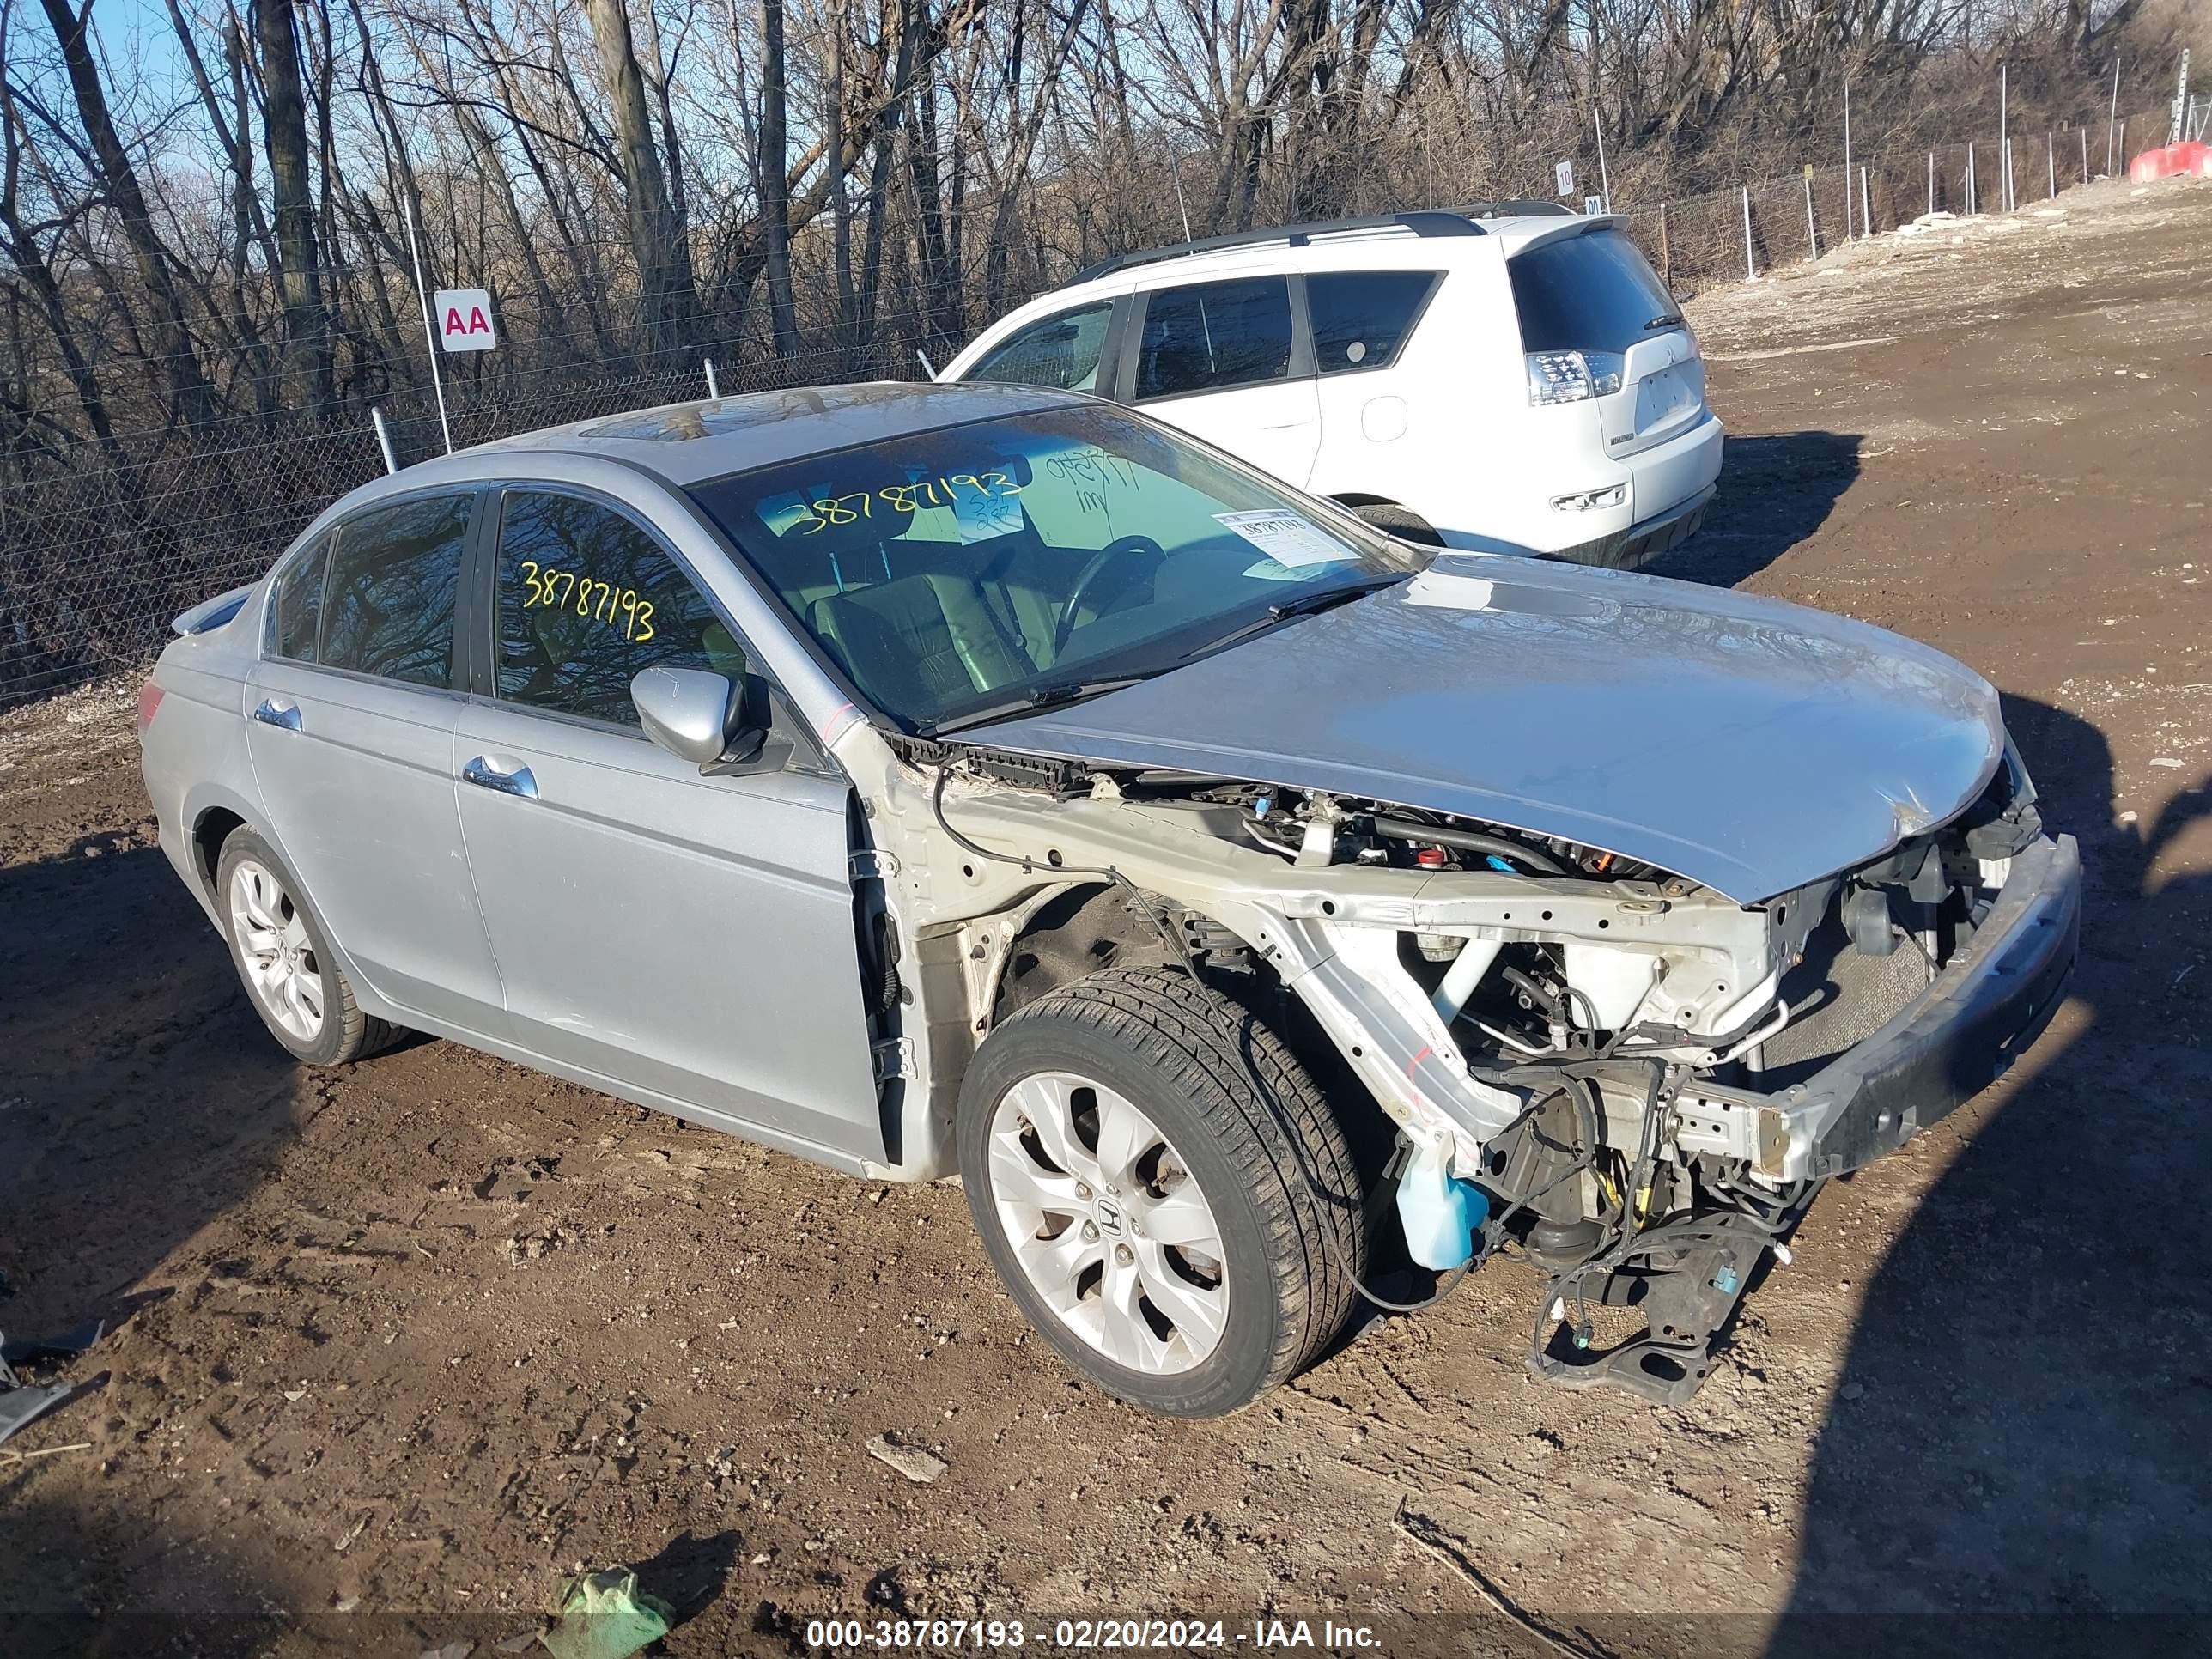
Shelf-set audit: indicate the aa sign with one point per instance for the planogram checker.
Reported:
(464, 319)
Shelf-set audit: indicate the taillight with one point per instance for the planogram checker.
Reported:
(149, 703)
(1569, 377)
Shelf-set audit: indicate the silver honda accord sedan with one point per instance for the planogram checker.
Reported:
(1259, 915)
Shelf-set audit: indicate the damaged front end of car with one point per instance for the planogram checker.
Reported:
(1633, 1080)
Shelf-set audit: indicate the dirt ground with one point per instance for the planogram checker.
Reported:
(411, 1341)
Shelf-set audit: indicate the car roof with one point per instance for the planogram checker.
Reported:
(687, 443)
(1511, 223)
(1400, 241)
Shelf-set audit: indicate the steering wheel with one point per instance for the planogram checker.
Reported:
(1119, 548)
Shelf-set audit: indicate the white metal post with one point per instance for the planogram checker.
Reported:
(2085, 156)
(1973, 196)
(1750, 270)
(1811, 236)
(2004, 137)
(1931, 181)
(2051, 162)
(1604, 178)
(1866, 203)
(1847, 161)
(2110, 116)
(429, 331)
(714, 388)
(383, 439)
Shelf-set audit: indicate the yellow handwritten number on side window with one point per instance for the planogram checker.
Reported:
(589, 598)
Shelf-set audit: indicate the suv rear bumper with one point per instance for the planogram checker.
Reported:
(1669, 485)
(1954, 1039)
(1626, 549)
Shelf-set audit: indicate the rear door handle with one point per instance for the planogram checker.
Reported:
(481, 773)
(278, 711)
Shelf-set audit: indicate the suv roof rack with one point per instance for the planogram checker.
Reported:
(1519, 208)
(1428, 222)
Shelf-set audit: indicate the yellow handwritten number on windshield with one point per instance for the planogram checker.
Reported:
(838, 511)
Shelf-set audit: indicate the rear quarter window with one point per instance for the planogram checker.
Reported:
(1594, 292)
(295, 608)
(1361, 318)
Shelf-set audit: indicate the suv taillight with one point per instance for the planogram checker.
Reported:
(149, 703)
(1570, 377)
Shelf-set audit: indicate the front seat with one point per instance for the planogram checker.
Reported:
(923, 640)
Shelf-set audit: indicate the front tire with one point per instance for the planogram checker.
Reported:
(284, 960)
(1162, 1188)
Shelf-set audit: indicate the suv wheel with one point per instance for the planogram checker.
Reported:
(1163, 1189)
(284, 959)
(1392, 519)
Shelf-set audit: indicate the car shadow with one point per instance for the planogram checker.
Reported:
(1775, 489)
(2018, 1423)
(142, 1098)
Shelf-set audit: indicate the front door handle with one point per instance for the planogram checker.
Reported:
(481, 773)
(278, 711)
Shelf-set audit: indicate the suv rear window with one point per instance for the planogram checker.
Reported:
(1594, 292)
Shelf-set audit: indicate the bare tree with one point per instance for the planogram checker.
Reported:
(284, 127)
(176, 358)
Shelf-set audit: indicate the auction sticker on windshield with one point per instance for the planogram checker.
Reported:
(1286, 538)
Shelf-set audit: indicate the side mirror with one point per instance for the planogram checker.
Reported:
(717, 723)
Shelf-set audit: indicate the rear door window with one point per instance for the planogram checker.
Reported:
(1594, 292)
(388, 607)
(587, 599)
(1212, 335)
(1061, 351)
(1361, 318)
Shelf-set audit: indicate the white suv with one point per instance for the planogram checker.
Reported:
(1511, 378)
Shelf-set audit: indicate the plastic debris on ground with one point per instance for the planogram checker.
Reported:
(604, 1616)
(21, 1402)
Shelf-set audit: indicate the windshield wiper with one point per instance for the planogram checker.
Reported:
(1055, 696)
(1305, 605)
(1674, 321)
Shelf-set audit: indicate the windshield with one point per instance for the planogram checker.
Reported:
(976, 568)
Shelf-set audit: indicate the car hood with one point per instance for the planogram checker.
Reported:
(1747, 745)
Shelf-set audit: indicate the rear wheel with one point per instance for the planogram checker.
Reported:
(1392, 519)
(284, 960)
(1162, 1188)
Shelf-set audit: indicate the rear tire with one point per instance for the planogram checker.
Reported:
(1167, 1196)
(1392, 519)
(284, 960)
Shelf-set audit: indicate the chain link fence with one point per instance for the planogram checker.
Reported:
(101, 545)
(1732, 235)
(98, 554)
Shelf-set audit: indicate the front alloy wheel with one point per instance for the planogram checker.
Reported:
(1168, 1198)
(1107, 1222)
